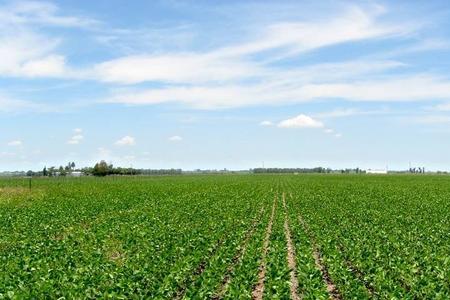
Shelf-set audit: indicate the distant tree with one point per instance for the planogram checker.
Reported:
(44, 172)
(72, 165)
(62, 171)
(101, 169)
(51, 171)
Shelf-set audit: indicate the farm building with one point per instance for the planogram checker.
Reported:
(376, 171)
(76, 174)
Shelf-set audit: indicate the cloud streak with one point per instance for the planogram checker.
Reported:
(15, 143)
(238, 75)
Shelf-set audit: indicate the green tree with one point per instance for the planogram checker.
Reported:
(62, 171)
(101, 169)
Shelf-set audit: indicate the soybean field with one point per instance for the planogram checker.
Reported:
(226, 237)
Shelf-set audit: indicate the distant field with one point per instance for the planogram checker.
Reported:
(226, 237)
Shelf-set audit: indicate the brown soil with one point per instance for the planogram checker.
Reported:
(290, 255)
(331, 287)
(200, 268)
(198, 271)
(358, 273)
(237, 258)
(258, 290)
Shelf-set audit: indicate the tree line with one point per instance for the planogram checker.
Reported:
(100, 169)
(305, 170)
(103, 169)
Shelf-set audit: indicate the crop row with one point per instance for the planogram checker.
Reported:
(226, 237)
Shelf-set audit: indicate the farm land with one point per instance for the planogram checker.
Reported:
(226, 237)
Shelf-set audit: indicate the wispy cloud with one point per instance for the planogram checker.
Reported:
(11, 105)
(354, 24)
(25, 49)
(175, 138)
(180, 68)
(232, 76)
(40, 12)
(349, 112)
(432, 119)
(15, 143)
(442, 107)
(266, 123)
(235, 62)
(386, 89)
(126, 141)
(76, 138)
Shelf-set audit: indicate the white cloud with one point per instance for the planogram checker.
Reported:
(266, 123)
(78, 130)
(7, 154)
(233, 63)
(432, 119)
(338, 113)
(333, 132)
(354, 24)
(76, 139)
(442, 107)
(15, 143)
(224, 77)
(292, 90)
(40, 12)
(227, 77)
(300, 121)
(126, 141)
(24, 50)
(387, 89)
(11, 105)
(19, 57)
(104, 152)
(175, 68)
(175, 138)
(49, 66)
(348, 112)
(419, 46)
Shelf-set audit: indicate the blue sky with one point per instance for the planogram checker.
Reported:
(225, 84)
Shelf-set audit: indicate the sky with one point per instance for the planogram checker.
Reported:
(225, 84)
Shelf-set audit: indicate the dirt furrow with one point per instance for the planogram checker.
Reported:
(201, 267)
(237, 258)
(258, 290)
(331, 287)
(197, 272)
(290, 255)
(357, 272)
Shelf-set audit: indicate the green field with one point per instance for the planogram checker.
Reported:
(197, 237)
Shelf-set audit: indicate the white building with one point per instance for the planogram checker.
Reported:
(376, 171)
